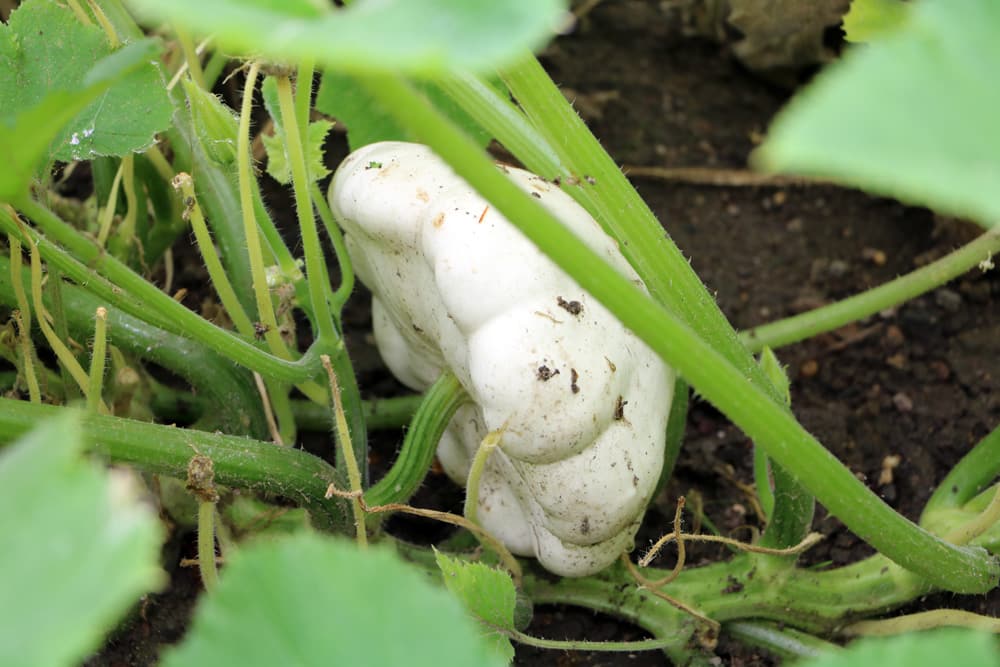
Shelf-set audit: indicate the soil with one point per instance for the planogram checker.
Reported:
(915, 382)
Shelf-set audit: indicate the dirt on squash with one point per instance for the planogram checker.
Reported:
(915, 382)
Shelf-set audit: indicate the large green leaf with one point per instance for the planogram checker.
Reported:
(44, 48)
(950, 646)
(912, 115)
(314, 600)
(486, 592)
(421, 37)
(26, 136)
(78, 548)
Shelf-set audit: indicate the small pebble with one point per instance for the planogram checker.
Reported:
(875, 256)
(897, 360)
(889, 463)
(902, 402)
(809, 368)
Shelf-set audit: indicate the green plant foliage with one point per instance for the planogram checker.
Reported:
(934, 648)
(912, 116)
(214, 123)
(44, 48)
(27, 134)
(420, 37)
(68, 526)
(277, 157)
(355, 608)
(486, 592)
(340, 96)
(868, 20)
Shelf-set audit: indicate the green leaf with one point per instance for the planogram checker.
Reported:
(950, 646)
(25, 138)
(80, 549)
(277, 156)
(24, 142)
(44, 48)
(912, 116)
(315, 600)
(367, 122)
(420, 37)
(868, 20)
(486, 592)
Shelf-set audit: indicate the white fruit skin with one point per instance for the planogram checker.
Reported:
(457, 286)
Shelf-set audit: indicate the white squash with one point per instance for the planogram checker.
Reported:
(456, 286)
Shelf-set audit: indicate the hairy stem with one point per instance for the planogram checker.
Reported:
(237, 461)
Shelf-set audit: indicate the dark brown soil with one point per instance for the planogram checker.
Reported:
(915, 382)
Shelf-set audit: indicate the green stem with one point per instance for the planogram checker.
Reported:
(191, 56)
(124, 289)
(969, 476)
(125, 238)
(106, 217)
(217, 191)
(339, 297)
(894, 292)
(23, 318)
(789, 507)
(213, 68)
(27, 365)
(303, 93)
(239, 462)
(436, 410)
(583, 645)
(503, 120)
(983, 522)
(262, 293)
(231, 403)
(97, 360)
(814, 602)
(749, 403)
(345, 445)
(59, 348)
(206, 544)
(53, 291)
(785, 642)
(216, 272)
(762, 482)
(311, 246)
(486, 447)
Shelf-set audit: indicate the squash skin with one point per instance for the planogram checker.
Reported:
(583, 401)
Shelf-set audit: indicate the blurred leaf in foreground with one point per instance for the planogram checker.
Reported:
(419, 37)
(948, 646)
(911, 116)
(79, 550)
(314, 600)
